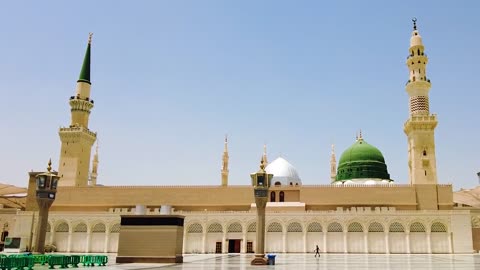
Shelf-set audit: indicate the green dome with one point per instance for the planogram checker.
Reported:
(362, 160)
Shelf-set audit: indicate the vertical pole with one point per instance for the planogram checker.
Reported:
(387, 243)
(42, 226)
(325, 234)
(260, 250)
(365, 241)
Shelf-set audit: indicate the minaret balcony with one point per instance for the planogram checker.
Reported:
(85, 99)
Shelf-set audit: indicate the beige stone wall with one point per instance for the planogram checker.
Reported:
(240, 198)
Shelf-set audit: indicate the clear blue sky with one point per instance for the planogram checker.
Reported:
(170, 78)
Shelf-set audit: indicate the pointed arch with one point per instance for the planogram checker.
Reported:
(99, 228)
(355, 227)
(195, 228)
(314, 227)
(294, 227)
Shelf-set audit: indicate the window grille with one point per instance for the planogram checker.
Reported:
(235, 227)
(417, 227)
(195, 228)
(82, 227)
(252, 227)
(439, 227)
(335, 227)
(115, 228)
(99, 228)
(215, 228)
(294, 227)
(355, 227)
(314, 227)
(62, 227)
(375, 227)
(396, 227)
(274, 227)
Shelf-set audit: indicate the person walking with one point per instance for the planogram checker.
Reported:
(317, 251)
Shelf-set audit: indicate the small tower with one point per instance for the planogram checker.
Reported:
(225, 163)
(333, 165)
(94, 173)
(420, 126)
(77, 139)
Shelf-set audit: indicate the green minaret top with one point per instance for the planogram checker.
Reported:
(85, 73)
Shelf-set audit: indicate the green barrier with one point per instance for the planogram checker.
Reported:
(60, 260)
(40, 259)
(73, 260)
(6, 263)
(91, 260)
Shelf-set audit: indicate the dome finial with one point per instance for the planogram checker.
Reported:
(90, 38)
(360, 136)
(49, 168)
(414, 20)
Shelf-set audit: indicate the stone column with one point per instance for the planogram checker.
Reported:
(243, 248)
(429, 243)
(184, 240)
(345, 244)
(204, 240)
(407, 239)
(450, 249)
(224, 242)
(88, 240)
(69, 241)
(387, 243)
(365, 241)
(107, 241)
(52, 236)
(284, 240)
(304, 241)
(325, 241)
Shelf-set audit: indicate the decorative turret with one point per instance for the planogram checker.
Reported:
(264, 156)
(225, 163)
(77, 139)
(333, 165)
(94, 173)
(420, 126)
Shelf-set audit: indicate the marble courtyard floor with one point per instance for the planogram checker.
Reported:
(308, 261)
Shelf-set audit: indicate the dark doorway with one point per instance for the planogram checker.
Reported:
(249, 247)
(234, 245)
(218, 247)
(282, 196)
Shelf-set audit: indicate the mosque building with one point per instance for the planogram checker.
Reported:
(359, 209)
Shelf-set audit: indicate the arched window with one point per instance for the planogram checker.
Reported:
(274, 227)
(115, 228)
(215, 228)
(282, 196)
(62, 227)
(396, 227)
(252, 227)
(418, 51)
(424, 152)
(355, 227)
(235, 227)
(375, 227)
(417, 227)
(272, 196)
(195, 228)
(99, 228)
(314, 227)
(82, 227)
(294, 227)
(439, 227)
(335, 227)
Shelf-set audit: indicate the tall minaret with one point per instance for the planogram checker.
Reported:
(420, 126)
(94, 173)
(77, 139)
(225, 164)
(333, 165)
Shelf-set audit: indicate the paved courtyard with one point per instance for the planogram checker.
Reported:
(308, 261)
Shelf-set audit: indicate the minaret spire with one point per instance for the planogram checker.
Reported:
(77, 139)
(333, 165)
(225, 157)
(420, 125)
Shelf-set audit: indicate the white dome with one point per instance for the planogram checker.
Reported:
(283, 172)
